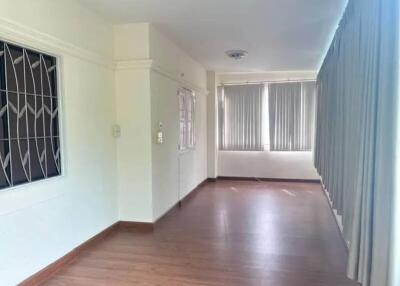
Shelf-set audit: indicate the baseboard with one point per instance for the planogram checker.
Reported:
(44, 274)
(178, 204)
(193, 192)
(136, 226)
(268, 179)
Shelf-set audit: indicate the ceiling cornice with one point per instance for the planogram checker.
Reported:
(19, 34)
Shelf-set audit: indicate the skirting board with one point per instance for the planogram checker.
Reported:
(44, 274)
(181, 201)
(41, 276)
(136, 226)
(269, 179)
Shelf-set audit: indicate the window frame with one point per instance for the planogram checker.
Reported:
(312, 117)
(224, 111)
(188, 142)
(39, 48)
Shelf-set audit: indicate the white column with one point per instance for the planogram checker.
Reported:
(212, 125)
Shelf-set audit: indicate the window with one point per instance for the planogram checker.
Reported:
(291, 116)
(29, 112)
(248, 121)
(186, 119)
(241, 117)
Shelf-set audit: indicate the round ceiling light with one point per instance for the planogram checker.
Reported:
(236, 54)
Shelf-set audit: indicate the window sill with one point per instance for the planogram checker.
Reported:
(33, 184)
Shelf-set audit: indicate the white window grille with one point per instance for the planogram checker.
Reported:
(186, 119)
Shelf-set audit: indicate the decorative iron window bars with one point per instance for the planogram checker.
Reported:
(29, 112)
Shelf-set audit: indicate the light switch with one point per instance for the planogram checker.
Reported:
(116, 131)
(160, 134)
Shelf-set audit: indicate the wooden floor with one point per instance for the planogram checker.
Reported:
(229, 233)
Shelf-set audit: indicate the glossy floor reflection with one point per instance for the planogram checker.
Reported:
(229, 233)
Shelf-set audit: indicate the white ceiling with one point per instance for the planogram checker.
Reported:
(278, 34)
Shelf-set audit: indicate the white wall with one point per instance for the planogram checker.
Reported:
(131, 42)
(132, 92)
(278, 165)
(175, 62)
(175, 174)
(266, 164)
(165, 176)
(150, 69)
(133, 103)
(60, 20)
(42, 221)
(212, 126)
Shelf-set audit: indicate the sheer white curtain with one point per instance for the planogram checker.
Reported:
(291, 116)
(241, 117)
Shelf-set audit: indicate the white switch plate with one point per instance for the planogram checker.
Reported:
(116, 131)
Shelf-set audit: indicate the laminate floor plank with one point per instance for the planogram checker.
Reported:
(229, 233)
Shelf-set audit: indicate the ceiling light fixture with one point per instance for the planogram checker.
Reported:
(236, 54)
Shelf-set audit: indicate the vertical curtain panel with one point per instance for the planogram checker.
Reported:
(241, 124)
(291, 116)
(356, 130)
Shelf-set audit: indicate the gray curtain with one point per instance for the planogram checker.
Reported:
(291, 116)
(240, 120)
(356, 132)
